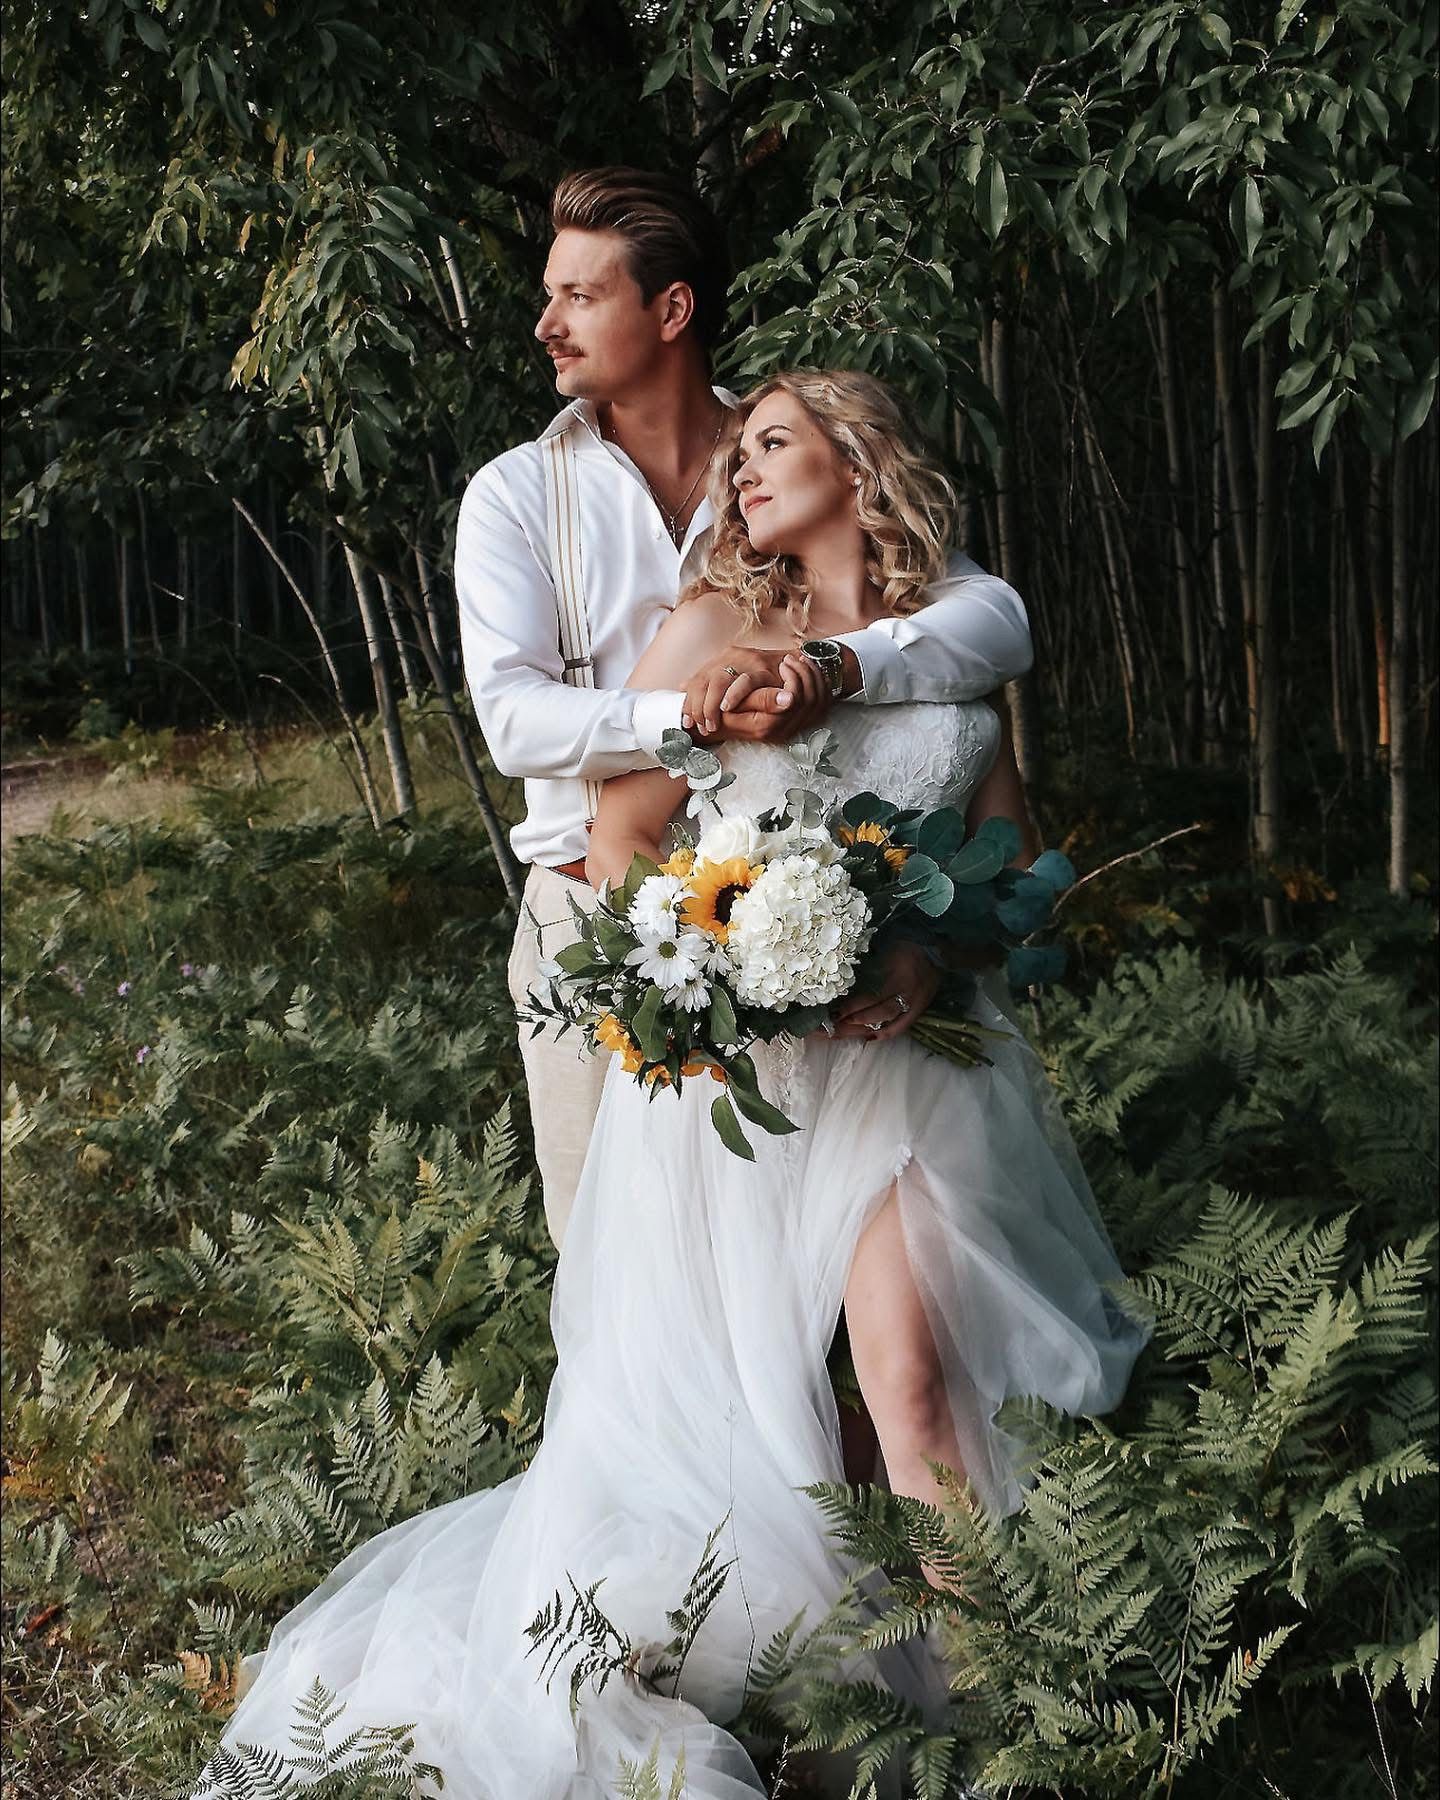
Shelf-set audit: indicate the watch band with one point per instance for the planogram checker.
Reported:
(826, 656)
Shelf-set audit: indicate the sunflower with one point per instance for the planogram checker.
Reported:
(871, 833)
(714, 889)
(680, 862)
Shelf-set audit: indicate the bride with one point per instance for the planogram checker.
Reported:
(942, 1209)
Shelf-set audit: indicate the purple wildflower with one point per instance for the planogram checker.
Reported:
(142, 1053)
(123, 989)
(187, 968)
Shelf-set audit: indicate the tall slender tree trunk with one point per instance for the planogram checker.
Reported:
(432, 612)
(709, 105)
(42, 597)
(1268, 789)
(1216, 714)
(1339, 720)
(369, 794)
(182, 590)
(122, 584)
(1022, 696)
(237, 582)
(402, 647)
(1400, 614)
(1261, 701)
(457, 287)
(1375, 560)
(146, 573)
(372, 619)
(82, 584)
(272, 521)
(465, 750)
(965, 521)
(1167, 365)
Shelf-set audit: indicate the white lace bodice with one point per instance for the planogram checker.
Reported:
(924, 754)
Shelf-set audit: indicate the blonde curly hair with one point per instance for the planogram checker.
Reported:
(905, 505)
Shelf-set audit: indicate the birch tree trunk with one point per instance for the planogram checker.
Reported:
(368, 792)
(465, 750)
(402, 647)
(371, 617)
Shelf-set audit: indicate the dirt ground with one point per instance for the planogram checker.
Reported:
(31, 792)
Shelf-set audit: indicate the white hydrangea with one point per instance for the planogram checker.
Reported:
(796, 936)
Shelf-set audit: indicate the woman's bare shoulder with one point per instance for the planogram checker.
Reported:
(700, 626)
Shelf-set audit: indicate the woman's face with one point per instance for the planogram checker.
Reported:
(794, 485)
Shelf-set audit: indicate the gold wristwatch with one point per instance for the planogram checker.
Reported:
(826, 655)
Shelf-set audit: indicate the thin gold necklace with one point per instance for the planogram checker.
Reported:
(672, 519)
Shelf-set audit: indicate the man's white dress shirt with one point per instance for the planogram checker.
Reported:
(970, 640)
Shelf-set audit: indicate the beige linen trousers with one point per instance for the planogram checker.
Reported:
(563, 1079)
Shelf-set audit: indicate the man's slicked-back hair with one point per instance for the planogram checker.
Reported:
(670, 234)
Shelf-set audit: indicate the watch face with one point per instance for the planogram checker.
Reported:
(822, 649)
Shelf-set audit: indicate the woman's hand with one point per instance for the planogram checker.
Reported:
(909, 982)
(755, 696)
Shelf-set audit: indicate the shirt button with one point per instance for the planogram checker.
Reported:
(655, 532)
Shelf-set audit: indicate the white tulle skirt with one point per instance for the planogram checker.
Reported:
(695, 1301)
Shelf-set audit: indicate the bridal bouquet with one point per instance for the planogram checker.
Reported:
(753, 931)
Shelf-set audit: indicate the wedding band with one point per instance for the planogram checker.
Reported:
(873, 1025)
(729, 671)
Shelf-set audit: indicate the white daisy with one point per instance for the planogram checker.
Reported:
(671, 963)
(655, 910)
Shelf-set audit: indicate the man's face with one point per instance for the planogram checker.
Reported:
(596, 327)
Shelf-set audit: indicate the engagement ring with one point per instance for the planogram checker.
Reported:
(903, 1004)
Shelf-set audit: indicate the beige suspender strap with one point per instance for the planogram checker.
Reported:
(562, 496)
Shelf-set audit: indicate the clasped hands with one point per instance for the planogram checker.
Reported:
(756, 697)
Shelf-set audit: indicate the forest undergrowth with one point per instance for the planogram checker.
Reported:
(276, 1278)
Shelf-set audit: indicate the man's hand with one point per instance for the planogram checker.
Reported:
(909, 982)
(755, 696)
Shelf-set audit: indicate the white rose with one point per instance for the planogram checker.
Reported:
(726, 838)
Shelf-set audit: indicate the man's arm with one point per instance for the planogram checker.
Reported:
(536, 725)
(972, 638)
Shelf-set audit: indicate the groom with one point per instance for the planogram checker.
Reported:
(569, 552)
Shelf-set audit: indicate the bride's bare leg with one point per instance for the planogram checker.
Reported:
(896, 1361)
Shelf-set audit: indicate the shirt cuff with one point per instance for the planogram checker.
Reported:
(882, 666)
(655, 713)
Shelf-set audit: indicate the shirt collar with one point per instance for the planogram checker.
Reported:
(582, 413)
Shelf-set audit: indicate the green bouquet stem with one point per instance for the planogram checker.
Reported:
(957, 1040)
